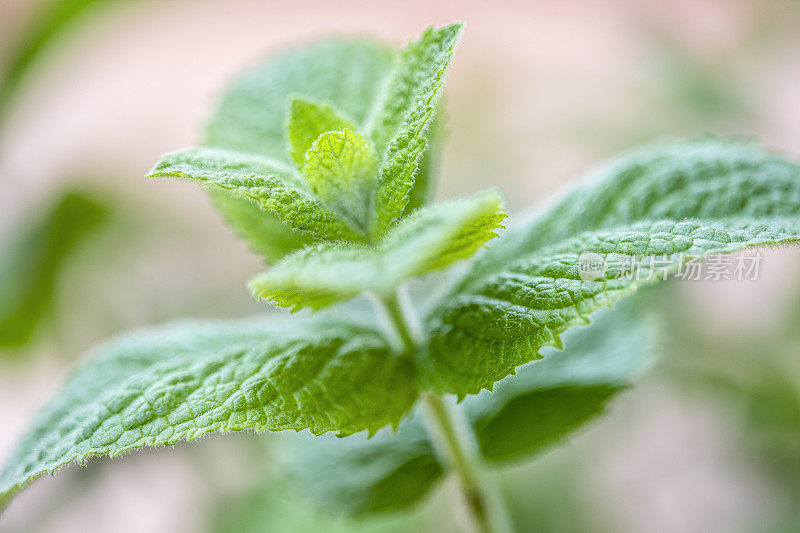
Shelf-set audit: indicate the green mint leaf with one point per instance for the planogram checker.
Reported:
(31, 262)
(708, 179)
(408, 107)
(273, 187)
(430, 239)
(547, 401)
(488, 328)
(179, 382)
(263, 231)
(357, 475)
(252, 116)
(349, 76)
(307, 121)
(340, 169)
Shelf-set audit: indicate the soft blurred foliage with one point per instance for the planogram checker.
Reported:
(31, 263)
(539, 91)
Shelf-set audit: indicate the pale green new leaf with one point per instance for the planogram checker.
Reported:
(307, 121)
(179, 382)
(273, 187)
(406, 112)
(349, 74)
(544, 404)
(340, 169)
(483, 332)
(430, 239)
(252, 116)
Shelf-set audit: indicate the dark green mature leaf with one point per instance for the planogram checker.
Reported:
(430, 239)
(273, 187)
(179, 382)
(482, 333)
(549, 399)
(544, 403)
(709, 196)
(354, 475)
(406, 113)
(30, 265)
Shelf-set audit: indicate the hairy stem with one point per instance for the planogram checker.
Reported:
(454, 440)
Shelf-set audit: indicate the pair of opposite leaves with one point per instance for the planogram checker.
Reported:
(678, 201)
(352, 189)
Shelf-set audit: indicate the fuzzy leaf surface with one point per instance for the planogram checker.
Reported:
(339, 168)
(253, 113)
(708, 179)
(484, 331)
(308, 120)
(349, 75)
(430, 239)
(179, 382)
(273, 187)
(545, 403)
(407, 110)
(707, 196)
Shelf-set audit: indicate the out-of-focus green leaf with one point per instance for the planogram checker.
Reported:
(544, 403)
(356, 475)
(31, 263)
(263, 231)
(549, 399)
(53, 18)
(274, 506)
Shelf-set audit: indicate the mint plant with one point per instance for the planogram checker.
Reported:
(319, 160)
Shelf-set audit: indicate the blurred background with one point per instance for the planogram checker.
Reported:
(93, 91)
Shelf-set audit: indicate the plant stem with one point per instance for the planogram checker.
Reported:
(454, 440)
(456, 445)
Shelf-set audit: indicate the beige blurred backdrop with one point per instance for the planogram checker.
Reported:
(538, 93)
